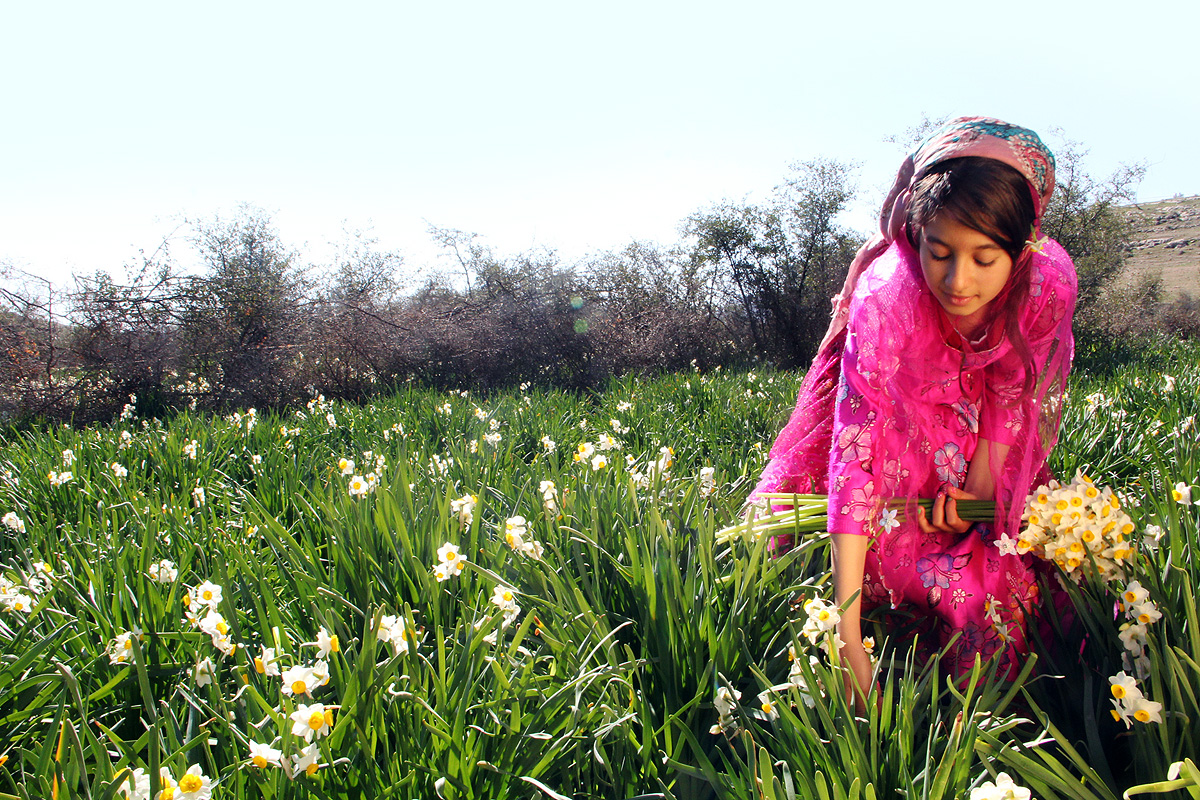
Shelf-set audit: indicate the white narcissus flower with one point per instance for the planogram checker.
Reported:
(599, 462)
(768, 708)
(1182, 493)
(326, 643)
(163, 571)
(263, 755)
(306, 760)
(1124, 687)
(548, 444)
(1134, 593)
(135, 785)
(346, 465)
(393, 631)
(205, 672)
(18, 601)
(504, 597)
(1003, 789)
(1145, 612)
(358, 486)
(312, 721)
(68, 457)
(118, 471)
(451, 556)
(299, 681)
(264, 664)
(13, 522)
(194, 785)
(208, 594)
(514, 531)
(1145, 711)
(464, 507)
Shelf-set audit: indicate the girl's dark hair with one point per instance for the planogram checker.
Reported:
(993, 198)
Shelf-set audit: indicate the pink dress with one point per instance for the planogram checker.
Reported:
(895, 407)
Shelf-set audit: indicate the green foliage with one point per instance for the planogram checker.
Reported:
(604, 683)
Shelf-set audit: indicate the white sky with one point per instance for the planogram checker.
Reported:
(576, 126)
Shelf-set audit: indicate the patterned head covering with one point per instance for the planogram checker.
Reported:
(983, 137)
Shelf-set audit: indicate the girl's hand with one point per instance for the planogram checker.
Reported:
(944, 516)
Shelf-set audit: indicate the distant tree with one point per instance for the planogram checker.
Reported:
(784, 259)
(1084, 216)
(244, 321)
(356, 330)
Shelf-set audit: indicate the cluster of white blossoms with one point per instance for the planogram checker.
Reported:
(120, 649)
(516, 530)
(821, 623)
(249, 419)
(362, 485)
(394, 631)
(13, 522)
(1003, 789)
(19, 597)
(1072, 524)
(464, 509)
(192, 785)
(725, 702)
(586, 453)
(708, 481)
(1140, 613)
(163, 571)
(549, 497)
(59, 478)
(1129, 703)
(190, 448)
(450, 562)
(200, 604)
(659, 468)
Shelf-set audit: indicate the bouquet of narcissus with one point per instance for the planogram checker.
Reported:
(1073, 523)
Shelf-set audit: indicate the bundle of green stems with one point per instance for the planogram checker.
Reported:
(809, 513)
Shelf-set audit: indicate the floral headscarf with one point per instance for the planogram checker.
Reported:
(984, 137)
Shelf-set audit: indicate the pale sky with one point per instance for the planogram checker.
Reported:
(572, 126)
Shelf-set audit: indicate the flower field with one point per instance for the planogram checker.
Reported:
(521, 595)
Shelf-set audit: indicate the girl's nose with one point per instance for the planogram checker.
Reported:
(957, 275)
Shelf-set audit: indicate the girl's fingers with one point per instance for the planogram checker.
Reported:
(923, 521)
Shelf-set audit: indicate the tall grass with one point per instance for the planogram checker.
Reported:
(605, 682)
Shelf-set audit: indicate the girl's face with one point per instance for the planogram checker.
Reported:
(965, 270)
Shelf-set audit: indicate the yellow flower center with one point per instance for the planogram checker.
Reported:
(311, 770)
(190, 783)
(222, 628)
(334, 647)
(823, 615)
(1062, 505)
(767, 707)
(168, 793)
(1130, 597)
(299, 687)
(208, 595)
(1118, 691)
(259, 666)
(259, 761)
(1144, 618)
(508, 596)
(316, 721)
(1115, 715)
(1141, 715)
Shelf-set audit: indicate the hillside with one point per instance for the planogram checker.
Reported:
(1166, 240)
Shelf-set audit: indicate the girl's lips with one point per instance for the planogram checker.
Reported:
(955, 300)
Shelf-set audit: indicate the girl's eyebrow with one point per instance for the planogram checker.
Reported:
(988, 246)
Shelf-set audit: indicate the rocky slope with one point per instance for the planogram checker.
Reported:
(1166, 240)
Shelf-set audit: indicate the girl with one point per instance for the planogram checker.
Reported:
(941, 376)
